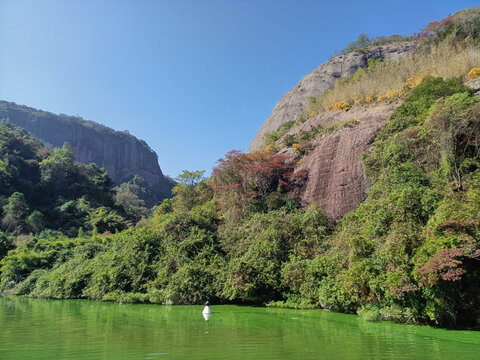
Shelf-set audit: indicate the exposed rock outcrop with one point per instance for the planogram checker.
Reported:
(121, 154)
(335, 173)
(292, 104)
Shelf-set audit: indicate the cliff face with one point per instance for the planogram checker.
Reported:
(335, 173)
(292, 104)
(120, 153)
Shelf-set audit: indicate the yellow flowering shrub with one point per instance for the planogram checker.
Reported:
(413, 81)
(342, 105)
(417, 78)
(474, 73)
(312, 113)
(299, 149)
(368, 99)
(271, 148)
(390, 94)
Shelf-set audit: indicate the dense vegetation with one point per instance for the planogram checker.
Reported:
(47, 189)
(224, 239)
(409, 253)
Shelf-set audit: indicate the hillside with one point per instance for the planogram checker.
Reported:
(293, 103)
(368, 202)
(121, 154)
(339, 118)
(46, 190)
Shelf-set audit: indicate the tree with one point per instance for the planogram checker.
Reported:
(58, 168)
(6, 244)
(191, 178)
(15, 212)
(36, 221)
(104, 219)
(186, 191)
(130, 196)
(360, 44)
(133, 206)
(255, 181)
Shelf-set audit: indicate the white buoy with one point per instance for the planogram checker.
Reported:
(207, 312)
(206, 309)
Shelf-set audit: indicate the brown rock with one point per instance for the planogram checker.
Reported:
(335, 173)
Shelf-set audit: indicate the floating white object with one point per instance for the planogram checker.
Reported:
(207, 312)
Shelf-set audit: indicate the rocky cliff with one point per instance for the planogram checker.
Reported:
(335, 175)
(292, 104)
(121, 154)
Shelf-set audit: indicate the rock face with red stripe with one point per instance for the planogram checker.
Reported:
(335, 174)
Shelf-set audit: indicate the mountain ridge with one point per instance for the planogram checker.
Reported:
(121, 154)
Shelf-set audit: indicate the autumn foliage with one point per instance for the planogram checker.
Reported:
(445, 265)
(257, 178)
(435, 27)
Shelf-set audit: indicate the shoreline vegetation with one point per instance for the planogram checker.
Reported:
(409, 253)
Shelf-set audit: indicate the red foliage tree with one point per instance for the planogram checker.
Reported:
(444, 265)
(251, 176)
(435, 27)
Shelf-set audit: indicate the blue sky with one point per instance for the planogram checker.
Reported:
(193, 78)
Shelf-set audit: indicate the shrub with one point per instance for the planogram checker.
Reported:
(299, 149)
(364, 41)
(342, 105)
(370, 312)
(418, 105)
(272, 137)
(462, 26)
(288, 140)
(474, 73)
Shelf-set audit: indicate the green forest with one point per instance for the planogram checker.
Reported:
(409, 253)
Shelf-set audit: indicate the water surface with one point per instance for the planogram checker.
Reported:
(75, 329)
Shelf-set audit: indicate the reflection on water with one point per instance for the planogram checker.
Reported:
(49, 329)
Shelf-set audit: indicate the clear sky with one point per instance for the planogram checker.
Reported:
(193, 78)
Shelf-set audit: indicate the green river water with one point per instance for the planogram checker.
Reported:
(75, 329)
